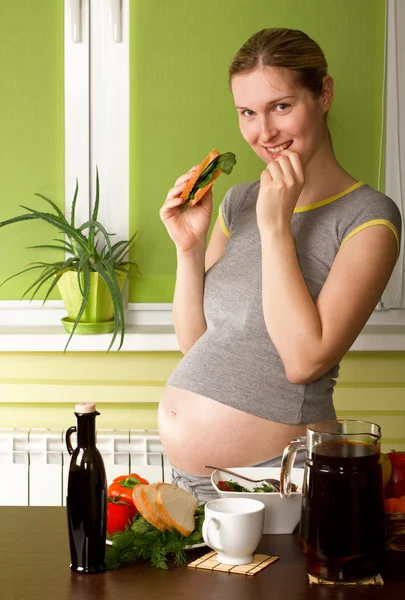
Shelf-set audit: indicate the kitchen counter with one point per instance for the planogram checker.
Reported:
(34, 565)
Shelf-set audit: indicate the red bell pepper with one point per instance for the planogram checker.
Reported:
(119, 515)
(122, 487)
(396, 485)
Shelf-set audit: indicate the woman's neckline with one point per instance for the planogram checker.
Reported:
(307, 207)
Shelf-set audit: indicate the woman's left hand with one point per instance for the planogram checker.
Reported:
(281, 184)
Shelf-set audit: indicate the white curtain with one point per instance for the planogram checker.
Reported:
(394, 296)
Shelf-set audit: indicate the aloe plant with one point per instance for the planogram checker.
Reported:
(82, 255)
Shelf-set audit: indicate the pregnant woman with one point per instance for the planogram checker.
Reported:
(295, 265)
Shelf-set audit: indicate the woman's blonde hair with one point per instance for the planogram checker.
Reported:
(287, 48)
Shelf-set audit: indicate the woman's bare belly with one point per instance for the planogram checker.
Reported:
(197, 431)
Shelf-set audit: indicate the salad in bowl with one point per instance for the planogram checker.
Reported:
(282, 515)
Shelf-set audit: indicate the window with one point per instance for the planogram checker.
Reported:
(123, 98)
(394, 297)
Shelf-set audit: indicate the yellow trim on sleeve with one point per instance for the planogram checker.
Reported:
(222, 223)
(370, 224)
(300, 209)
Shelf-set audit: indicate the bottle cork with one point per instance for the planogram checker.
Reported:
(85, 407)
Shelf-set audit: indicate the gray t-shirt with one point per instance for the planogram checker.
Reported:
(235, 362)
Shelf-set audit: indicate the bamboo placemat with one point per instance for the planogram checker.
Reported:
(209, 562)
(376, 580)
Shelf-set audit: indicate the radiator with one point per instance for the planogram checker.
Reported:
(34, 463)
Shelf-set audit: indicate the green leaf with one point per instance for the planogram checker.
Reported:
(53, 284)
(127, 267)
(60, 225)
(18, 219)
(84, 258)
(97, 198)
(73, 208)
(123, 248)
(226, 162)
(93, 221)
(264, 488)
(49, 246)
(67, 245)
(54, 206)
(46, 273)
(69, 265)
(83, 264)
(30, 268)
(237, 487)
(40, 284)
(110, 279)
(106, 235)
(115, 250)
(50, 270)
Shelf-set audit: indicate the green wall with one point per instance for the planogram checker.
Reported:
(181, 106)
(31, 128)
(41, 389)
(180, 109)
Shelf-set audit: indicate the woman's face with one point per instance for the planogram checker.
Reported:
(276, 113)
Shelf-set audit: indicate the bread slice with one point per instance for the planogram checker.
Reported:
(176, 507)
(148, 495)
(136, 496)
(190, 184)
(139, 498)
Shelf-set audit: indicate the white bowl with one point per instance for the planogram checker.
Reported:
(281, 515)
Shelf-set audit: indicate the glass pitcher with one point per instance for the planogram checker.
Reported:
(342, 525)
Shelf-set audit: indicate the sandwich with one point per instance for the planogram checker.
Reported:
(204, 176)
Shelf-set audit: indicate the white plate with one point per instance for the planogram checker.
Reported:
(192, 547)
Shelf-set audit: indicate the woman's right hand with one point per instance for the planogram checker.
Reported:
(186, 228)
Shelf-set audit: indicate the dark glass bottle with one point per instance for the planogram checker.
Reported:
(86, 500)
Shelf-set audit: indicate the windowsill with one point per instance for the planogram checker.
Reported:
(150, 329)
(138, 338)
(384, 332)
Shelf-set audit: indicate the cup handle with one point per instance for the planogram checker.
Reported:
(287, 462)
(205, 532)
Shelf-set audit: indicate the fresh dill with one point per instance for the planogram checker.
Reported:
(143, 541)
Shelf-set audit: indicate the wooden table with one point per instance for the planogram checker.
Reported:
(34, 565)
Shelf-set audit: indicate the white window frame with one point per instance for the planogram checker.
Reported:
(97, 134)
(394, 295)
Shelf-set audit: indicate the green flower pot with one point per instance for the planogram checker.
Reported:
(99, 309)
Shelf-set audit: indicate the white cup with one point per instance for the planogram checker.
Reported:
(233, 527)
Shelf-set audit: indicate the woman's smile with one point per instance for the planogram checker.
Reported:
(276, 113)
(275, 151)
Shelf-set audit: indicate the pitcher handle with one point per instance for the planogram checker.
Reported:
(287, 462)
(67, 438)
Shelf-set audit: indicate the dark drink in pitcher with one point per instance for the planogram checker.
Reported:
(342, 520)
